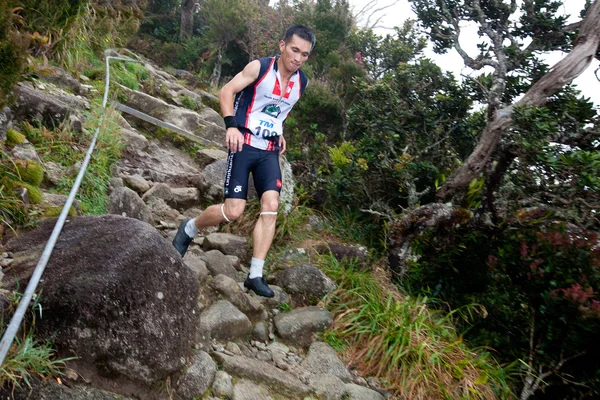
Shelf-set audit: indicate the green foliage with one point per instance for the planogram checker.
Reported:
(406, 133)
(415, 350)
(34, 194)
(381, 55)
(14, 137)
(129, 74)
(318, 106)
(474, 193)
(27, 357)
(190, 103)
(558, 166)
(331, 21)
(43, 16)
(30, 171)
(13, 212)
(537, 284)
(285, 307)
(65, 147)
(11, 50)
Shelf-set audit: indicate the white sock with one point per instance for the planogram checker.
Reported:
(256, 268)
(190, 228)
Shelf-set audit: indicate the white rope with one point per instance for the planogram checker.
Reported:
(15, 322)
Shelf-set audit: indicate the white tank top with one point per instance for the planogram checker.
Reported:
(261, 108)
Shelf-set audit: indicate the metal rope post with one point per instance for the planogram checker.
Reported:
(17, 318)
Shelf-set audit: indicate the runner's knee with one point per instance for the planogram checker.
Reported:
(270, 204)
(233, 211)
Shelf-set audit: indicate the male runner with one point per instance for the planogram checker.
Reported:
(265, 92)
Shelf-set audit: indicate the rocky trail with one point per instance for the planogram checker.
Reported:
(143, 322)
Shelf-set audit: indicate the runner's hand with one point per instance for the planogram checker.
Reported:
(234, 140)
(281, 144)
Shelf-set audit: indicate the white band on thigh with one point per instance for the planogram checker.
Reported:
(268, 213)
(223, 212)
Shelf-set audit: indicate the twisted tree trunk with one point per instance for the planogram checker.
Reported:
(570, 67)
(187, 19)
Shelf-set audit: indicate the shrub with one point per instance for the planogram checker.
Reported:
(11, 53)
(539, 286)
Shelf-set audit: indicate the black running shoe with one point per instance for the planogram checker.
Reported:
(259, 286)
(182, 240)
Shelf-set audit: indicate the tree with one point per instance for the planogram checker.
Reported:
(507, 53)
(524, 200)
(225, 22)
(187, 19)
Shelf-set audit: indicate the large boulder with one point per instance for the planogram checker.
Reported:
(299, 326)
(34, 105)
(114, 293)
(63, 79)
(162, 163)
(183, 118)
(124, 201)
(322, 359)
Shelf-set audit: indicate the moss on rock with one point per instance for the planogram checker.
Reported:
(13, 137)
(34, 193)
(30, 171)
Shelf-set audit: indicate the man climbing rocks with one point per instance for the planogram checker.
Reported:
(255, 103)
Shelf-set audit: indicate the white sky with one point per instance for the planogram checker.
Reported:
(399, 12)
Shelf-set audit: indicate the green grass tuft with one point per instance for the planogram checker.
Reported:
(28, 358)
(13, 137)
(31, 172)
(415, 350)
(34, 193)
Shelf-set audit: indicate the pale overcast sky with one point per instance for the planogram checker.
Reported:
(399, 12)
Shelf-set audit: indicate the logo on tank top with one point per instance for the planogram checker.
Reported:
(288, 90)
(272, 110)
(278, 183)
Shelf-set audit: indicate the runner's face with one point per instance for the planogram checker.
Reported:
(294, 53)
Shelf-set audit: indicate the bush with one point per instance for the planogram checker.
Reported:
(11, 53)
(538, 285)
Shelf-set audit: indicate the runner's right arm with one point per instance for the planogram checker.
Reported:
(234, 139)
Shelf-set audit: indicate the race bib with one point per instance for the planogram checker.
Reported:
(265, 124)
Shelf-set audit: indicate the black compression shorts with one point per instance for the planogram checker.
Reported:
(264, 165)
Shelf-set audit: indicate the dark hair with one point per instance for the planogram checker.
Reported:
(302, 32)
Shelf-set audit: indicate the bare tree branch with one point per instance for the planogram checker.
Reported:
(562, 73)
(378, 10)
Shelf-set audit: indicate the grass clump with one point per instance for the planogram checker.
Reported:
(415, 351)
(27, 357)
(13, 137)
(190, 103)
(68, 148)
(13, 211)
(30, 171)
(33, 193)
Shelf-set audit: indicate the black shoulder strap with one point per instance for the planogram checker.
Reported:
(303, 82)
(265, 63)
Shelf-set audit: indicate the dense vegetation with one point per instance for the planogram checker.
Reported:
(382, 137)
